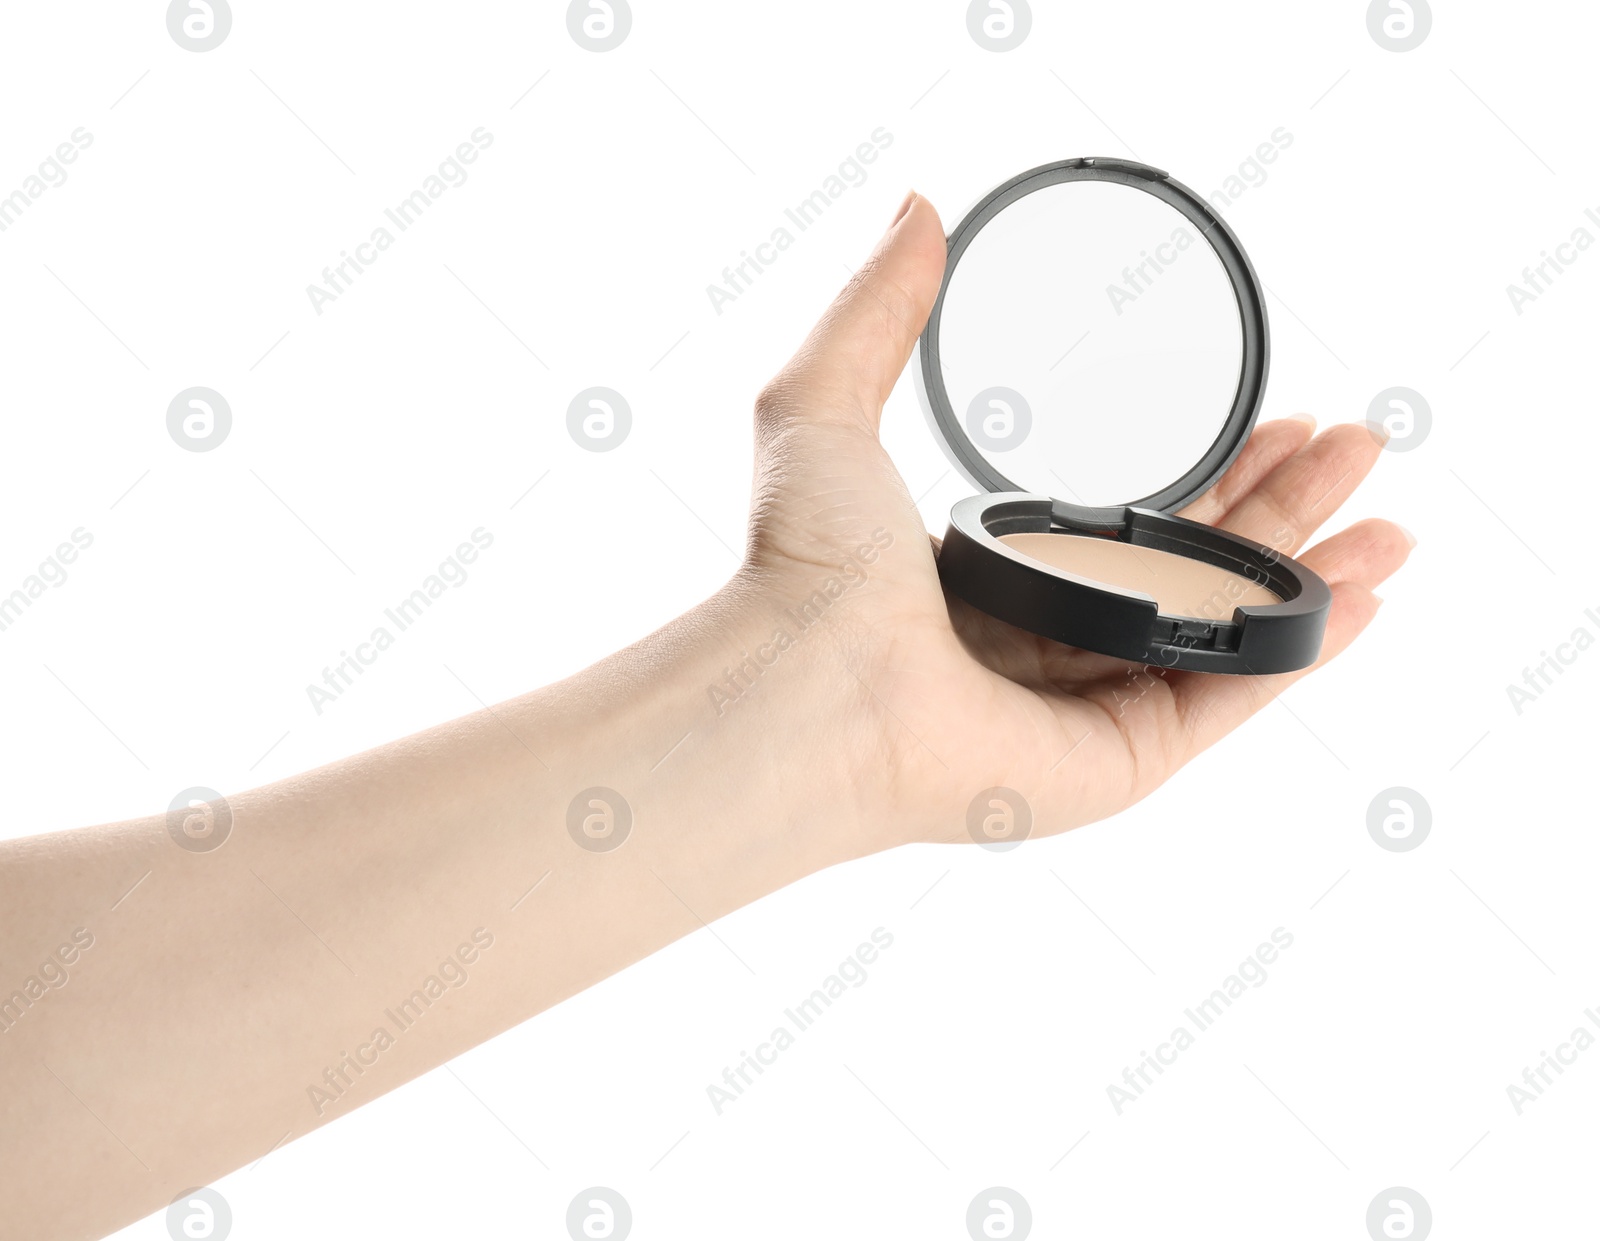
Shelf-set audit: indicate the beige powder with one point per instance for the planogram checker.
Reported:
(1180, 586)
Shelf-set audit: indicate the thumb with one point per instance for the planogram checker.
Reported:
(849, 363)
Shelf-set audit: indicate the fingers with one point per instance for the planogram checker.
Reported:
(852, 358)
(1366, 553)
(1296, 497)
(1352, 562)
(1270, 446)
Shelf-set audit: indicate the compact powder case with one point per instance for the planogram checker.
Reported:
(1099, 335)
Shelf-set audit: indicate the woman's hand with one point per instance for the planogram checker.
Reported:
(936, 701)
(826, 703)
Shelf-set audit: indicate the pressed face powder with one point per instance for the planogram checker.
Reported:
(1179, 585)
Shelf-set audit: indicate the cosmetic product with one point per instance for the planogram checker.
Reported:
(1095, 360)
(1180, 585)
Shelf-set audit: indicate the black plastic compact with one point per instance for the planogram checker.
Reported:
(1100, 334)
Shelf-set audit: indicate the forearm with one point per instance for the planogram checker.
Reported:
(365, 922)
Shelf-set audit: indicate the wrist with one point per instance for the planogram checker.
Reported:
(730, 724)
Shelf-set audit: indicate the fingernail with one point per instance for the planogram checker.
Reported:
(911, 197)
(1378, 432)
(1411, 539)
(1305, 418)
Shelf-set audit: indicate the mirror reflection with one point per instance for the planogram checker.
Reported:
(1090, 342)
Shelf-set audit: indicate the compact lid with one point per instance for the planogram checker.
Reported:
(1100, 338)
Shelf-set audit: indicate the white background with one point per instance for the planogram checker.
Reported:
(370, 440)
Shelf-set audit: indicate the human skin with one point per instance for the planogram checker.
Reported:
(218, 992)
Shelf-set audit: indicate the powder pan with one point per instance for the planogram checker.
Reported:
(1264, 638)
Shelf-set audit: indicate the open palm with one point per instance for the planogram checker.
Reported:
(939, 701)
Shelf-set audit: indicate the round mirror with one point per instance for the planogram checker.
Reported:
(1090, 341)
